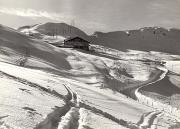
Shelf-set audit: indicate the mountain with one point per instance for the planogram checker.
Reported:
(54, 29)
(53, 33)
(60, 29)
(145, 39)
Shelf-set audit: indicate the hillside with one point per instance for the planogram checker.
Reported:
(144, 39)
(15, 44)
(46, 87)
(55, 30)
(60, 29)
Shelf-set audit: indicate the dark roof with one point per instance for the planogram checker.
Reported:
(76, 37)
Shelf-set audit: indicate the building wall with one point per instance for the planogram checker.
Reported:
(76, 44)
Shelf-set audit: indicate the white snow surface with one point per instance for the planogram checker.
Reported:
(24, 106)
(86, 74)
(94, 121)
(47, 38)
(173, 66)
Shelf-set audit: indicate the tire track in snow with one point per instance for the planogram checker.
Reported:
(148, 119)
(75, 99)
(142, 118)
(71, 119)
(52, 119)
(155, 123)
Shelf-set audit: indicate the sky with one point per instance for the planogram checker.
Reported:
(92, 15)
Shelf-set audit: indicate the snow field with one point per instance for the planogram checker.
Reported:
(44, 79)
(91, 120)
(22, 104)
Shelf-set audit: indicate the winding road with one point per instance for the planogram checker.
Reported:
(150, 120)
(156, 79)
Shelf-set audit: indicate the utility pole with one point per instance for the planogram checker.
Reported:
(72, 25)
(64, 31)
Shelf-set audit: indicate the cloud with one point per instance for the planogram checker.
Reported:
(60, 17)
(93, 24)
(165, 13)
(35, 14)
(89, 26)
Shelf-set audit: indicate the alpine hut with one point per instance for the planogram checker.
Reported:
(76, 42)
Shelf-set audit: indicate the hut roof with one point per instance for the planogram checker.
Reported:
(76, 37)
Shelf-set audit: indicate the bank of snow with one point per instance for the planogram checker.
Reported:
(24, 105)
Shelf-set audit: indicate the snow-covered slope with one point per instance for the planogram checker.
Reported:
(46, 87)
(24, 103)
(46, 37)
(17, 47)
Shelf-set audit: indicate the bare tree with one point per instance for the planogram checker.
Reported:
(23, 59)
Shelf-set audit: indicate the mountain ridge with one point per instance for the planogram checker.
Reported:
(145, 39)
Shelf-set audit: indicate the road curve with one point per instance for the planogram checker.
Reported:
(157, 78)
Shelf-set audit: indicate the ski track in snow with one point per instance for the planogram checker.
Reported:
(71, 119)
